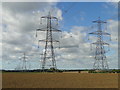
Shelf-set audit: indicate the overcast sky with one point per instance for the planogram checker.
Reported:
(21, 19)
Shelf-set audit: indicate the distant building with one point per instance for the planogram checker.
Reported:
(71, 72)
(76, 72)
(83, 71)
(98, 70)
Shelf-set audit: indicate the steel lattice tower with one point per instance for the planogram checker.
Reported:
(24, 62)
(49, 49)
(100, 57)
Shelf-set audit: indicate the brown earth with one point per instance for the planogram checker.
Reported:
(59, 80)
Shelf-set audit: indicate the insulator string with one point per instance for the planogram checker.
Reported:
(41, 21)
(59, 45)
(36, 33)
(91, 46)
(61, 34)
(110, 38)
(38, 44)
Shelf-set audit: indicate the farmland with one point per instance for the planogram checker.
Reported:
(59, 80)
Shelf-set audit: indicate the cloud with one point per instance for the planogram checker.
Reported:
(30, 1)
(114, 3)
(19, 25)
(20, 21)
(77, 50)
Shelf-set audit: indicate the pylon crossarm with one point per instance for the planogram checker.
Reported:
(99, 21)
(104, 33)
(48, 41)
(49, 17)
(102, 43)
(44, 17)
(53, 18)
(99, 33)
(41, 30)
(56, 30)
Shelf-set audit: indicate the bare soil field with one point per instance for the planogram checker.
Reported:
(59, 80)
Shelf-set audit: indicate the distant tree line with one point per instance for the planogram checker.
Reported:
(58, 70)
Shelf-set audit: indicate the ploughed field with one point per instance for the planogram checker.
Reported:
(59, 80)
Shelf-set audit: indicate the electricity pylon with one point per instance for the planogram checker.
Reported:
(24, 62)
(49, 54)
(100, 57)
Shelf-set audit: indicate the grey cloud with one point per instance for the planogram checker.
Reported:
(21, 24)
(24, 7)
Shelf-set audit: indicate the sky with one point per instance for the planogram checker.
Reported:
(21, 19)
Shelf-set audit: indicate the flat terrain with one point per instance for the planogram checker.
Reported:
(59, 80)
